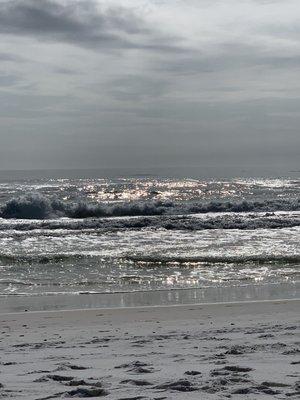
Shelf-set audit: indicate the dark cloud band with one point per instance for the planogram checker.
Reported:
(80, 23)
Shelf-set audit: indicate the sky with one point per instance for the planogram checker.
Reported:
(143, 83)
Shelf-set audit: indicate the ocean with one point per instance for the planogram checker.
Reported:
(92, 234)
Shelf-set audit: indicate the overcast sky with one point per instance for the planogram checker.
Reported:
(139, 83)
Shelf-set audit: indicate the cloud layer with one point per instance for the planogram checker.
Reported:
(81, 23)
(142, 83)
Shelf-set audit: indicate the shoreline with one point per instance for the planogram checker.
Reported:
(19, 303)
(154, 307)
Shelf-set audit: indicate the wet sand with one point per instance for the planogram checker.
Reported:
(206, 351)
(218, 294)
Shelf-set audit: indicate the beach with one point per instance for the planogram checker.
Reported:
(200, 351)
(149, 288)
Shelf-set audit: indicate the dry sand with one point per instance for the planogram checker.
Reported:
(208, 351)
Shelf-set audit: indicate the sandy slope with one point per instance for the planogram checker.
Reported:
(212, 351)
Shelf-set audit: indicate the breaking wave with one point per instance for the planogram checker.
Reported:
(256, 259)
(60, 227)
(37, 206)
(41, 259)
(155, 259)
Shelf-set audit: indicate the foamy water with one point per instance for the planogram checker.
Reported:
(111, 235)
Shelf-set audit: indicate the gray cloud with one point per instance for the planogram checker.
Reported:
(4, 56)
(137, 88)
(80, 23)
(142, 82)
(8, 80)
(63, 71)
(227, 56)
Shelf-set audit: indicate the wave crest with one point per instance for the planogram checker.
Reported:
(60, 227)
(255, 259)
(155, 259)
(37, 206)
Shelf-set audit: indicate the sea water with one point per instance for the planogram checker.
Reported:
(123, 234)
